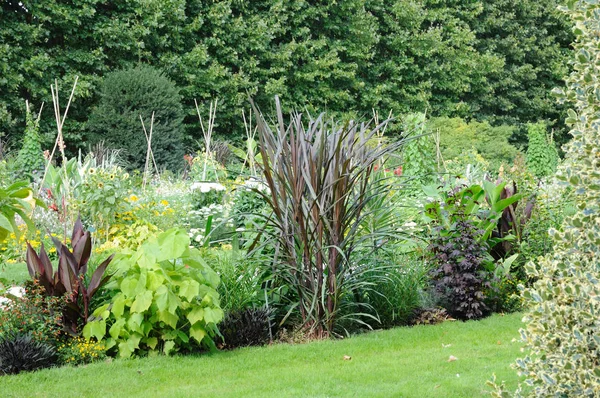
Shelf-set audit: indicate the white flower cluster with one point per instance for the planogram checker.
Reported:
(205, 187)
(16, 291)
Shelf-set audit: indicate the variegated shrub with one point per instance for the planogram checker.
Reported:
(562, 336)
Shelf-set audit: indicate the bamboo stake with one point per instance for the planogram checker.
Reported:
(207, 133)
(250, 151)
(59, 125)
(149, 150)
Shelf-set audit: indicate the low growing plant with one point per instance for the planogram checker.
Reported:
(247, 327)
(20, 353)
(165, 300)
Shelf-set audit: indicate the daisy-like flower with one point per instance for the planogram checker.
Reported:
(100, 185)
(92, 170)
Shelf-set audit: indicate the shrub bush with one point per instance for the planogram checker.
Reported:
(165, 298)
(460, 277)
(30, 159)
(125, 96)
(562, 336)
(20, 353)
(458, 137)
(34, 314)
(398, 296)
(542, 155)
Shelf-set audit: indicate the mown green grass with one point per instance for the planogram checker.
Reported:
(16, 273)
(402, 362)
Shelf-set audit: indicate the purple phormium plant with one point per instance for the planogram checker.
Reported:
(321, 181)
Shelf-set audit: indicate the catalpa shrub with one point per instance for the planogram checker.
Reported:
(165, 300)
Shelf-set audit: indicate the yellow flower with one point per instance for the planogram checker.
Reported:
(100, 185)
(133, 198)
(164, 202)
(92, 170)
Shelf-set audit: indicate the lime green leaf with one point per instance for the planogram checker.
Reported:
(151, 342)
(142, 302)
(196, 315)
(115, 329)
(214, 315)
(197, 332)
(135, 322)
(168, 318)
(95, 329)
(189, 289)
(118, 306)
(169, 345)
(173, 243)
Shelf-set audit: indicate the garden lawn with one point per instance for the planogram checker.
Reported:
(402, 362)
(15, 273)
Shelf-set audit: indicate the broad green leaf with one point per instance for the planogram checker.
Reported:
(118, 306)
(115, 329)
(162, 298)
(214, 315)
(197, 332)
(142, 302)
(151, 342)
(168, 347)
(189, 289)
(128, 286)
(168, 318)
(95, 329)
(196, 315)
(173, 243)
(155, 280)
(134, 322)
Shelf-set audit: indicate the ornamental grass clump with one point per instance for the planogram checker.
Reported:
(321, 180)
(562, 335)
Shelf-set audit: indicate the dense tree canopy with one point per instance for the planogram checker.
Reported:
(493, 59)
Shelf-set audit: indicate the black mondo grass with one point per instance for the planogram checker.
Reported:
(20, 353)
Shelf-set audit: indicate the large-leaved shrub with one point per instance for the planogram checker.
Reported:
(165, 299)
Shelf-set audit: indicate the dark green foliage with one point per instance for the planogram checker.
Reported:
(457, 137)
(533, 41)
(21, 353)
(460, 277)
(246, 327)
(542, 155)
(69, 278)
(452, 57)
(125, 96)
(30, 159)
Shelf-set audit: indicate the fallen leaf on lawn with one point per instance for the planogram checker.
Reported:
(499, 342)
(452, 358)
(347, 357)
